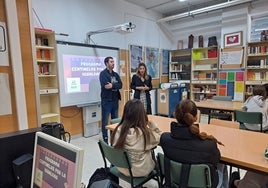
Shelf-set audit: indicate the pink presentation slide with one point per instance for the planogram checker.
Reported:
(79, 71)
(53, 170)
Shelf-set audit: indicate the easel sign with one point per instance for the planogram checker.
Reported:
(232, 57)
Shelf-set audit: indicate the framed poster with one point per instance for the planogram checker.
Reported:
(233, 39)
(135, 57)
(152, 61)
(165, 61)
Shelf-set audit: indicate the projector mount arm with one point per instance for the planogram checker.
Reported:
(122, 28)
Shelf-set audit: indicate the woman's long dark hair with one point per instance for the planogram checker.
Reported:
(185, 113)
(134, 116)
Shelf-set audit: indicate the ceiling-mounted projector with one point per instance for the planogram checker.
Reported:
(125, 28)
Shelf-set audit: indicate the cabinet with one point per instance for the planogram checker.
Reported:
(204, 76)
(169, 98)
(180, 65)
(256, 65)
(45, 45)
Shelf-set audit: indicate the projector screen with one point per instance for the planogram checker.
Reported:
(79, 66)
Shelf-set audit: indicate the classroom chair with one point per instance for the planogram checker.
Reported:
(120, 158)
(199, 174)
(230, 124)
(116, 120)
(248, 117)
(220, 114)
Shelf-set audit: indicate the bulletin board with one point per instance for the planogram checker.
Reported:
(231, 83)
(232, 57)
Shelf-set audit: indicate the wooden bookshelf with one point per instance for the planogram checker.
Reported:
(204, 74)
(256, 65)
(47, 75)
(180, 65)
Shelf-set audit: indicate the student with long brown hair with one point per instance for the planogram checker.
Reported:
(186, 144)
(136, 134)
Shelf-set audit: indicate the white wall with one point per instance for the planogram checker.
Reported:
(77, 17)
(216, 23)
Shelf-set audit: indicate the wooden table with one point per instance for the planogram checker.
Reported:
(243, 149)
(219, 105)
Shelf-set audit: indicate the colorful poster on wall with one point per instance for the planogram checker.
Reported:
(135, 57)
(231, 83)
(152, 61)
(165, 61)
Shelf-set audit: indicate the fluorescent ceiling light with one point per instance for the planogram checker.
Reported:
(261, 29)
(203, 10)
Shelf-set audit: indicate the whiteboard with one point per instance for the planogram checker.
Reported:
(231, 57)
(79, 66)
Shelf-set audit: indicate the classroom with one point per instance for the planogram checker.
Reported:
(37, 36)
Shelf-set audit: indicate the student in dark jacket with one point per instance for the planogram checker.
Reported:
(185, 143)
(142, 84)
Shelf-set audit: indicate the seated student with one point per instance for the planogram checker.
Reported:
(266, 88)
(257, 103)
(138, 136)
(186, 144)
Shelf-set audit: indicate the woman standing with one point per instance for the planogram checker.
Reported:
(142, 84)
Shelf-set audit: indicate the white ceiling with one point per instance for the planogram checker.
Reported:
(172, 7)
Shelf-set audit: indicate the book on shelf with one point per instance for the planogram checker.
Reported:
(195, 75)
(250, 75)
(181, 59)
(252, 50)
(212, 53)
(43, 69)
(203, 66)
(38, 53)
(214, 76)
(258, 76)
(38, 40)
(208, 76)
(186, 67)
(43, 54)
(253, 63)
(202, 76)
(41, 41)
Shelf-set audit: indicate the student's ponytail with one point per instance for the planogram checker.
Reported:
(195, 130)
(186, 113)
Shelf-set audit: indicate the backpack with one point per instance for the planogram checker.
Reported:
(57, 130)
(102, 178)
